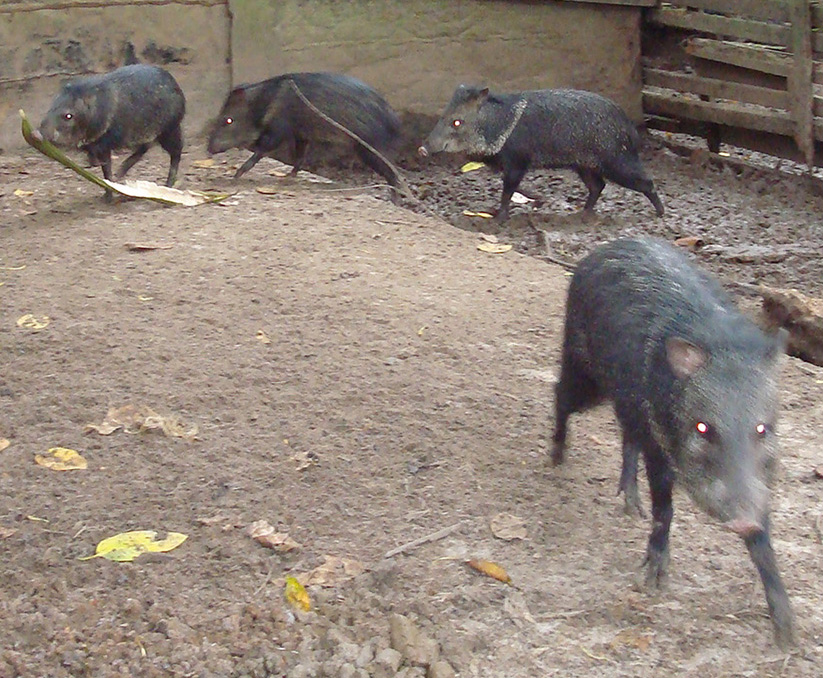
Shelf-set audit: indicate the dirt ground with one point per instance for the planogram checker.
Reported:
(360, 376)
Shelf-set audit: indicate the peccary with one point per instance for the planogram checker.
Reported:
(551, 128)
(694, 388)
(264, 115)
(130, 107)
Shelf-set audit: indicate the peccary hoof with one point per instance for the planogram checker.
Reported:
(657, 568)
(423, 151)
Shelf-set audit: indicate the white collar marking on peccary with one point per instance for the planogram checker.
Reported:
(519, 107)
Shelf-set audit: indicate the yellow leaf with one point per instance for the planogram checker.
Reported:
(144, 297)
(20, 193)
(296, 595)
(12, 268)
(207, 162)
(61, 459)
(471, 166)
(267, 190)
(126, 546)
(4, 443)
(138, 418)
(490, 569)
(265, 535)
(482, 215)
(493, 248)
(262, 337)
(29, 322)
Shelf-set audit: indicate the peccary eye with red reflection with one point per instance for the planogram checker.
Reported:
(457, 123)
(68, 116)
(702, 428)
(762, 430)
(229, 121)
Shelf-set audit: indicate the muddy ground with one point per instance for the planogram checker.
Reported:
(360, 376)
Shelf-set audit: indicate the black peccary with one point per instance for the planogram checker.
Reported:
(264, 115)
(550, 128)
(130, 107)
(694, 386)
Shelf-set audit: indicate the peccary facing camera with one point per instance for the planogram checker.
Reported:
(130, 107)
(551, 128)
(262, 116)
(694, 388)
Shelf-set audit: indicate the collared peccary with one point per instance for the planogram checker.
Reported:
(264, 115)
(130, 107)
(694, 388)
(550, 128)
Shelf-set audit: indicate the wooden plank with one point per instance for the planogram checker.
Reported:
(736, 115)
(14, 6)
(755, 57)
(743, 29)
(719, 89)
(764, 10)
(800, 80)
(628, 3)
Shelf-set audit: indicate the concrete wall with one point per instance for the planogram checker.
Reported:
(43, 43)
(416, 51)
(413, 51)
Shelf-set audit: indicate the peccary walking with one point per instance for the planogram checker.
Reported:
(130, 107)
(694, 388)
(551, 128)
(264, 115)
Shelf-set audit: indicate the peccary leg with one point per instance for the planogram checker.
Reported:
(377, 165)
(594, 182)
(129, 162)
(103, 159)
(760, 550)
(172, 142)
(574, 392)
(661, 481)
(298, 155)
(629, 174)
(628, 478)
(512, 176)
(246, 166)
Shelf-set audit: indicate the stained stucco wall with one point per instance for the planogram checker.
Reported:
(413, 51)
(43, 42)
(416, 51)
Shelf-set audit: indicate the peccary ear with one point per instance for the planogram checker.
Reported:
(684, 357)
(237, 95)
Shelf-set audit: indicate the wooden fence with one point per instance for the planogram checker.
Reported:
(747, 72)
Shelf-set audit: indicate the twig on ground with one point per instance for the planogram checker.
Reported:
(434, 536)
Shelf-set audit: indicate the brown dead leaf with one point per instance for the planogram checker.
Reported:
(631, 638)
(138, 418)
(263, 338)
(6, 532)
(331, 573)
(147, 246)
(265, 535)
(206, 162)
(507, 526)
(304, 460)
(4, 443)
(267, 190)
(690, 242)
(490, 569)
(818, 472)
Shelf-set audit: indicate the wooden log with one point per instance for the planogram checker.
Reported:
(801, 316)
(800, 80)
(735, 115)
(744, 29)
(764, 10)
(714, 87)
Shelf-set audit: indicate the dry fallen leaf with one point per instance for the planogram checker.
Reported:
(29, 322)
(262, 337)
(483, 215)
(62, 459)
(490, 569)
(472, 166)
(631, 638)
(126, 546)
(137, 418)
(304, 460)
(296, 595)
(506, 526)
(690, 242)
(332, 572)
(267, 190)
(520, 199)
(207, 162)
(4, 443)
(493, 248)
(265, 535)
(146, 246)
(20, 193)
(6, 532)
(489, 237)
